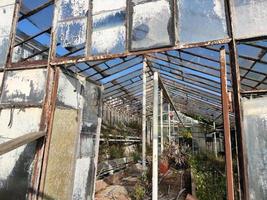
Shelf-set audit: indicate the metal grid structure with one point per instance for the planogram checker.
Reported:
(191, 76)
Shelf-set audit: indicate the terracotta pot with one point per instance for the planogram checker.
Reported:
(163, 166)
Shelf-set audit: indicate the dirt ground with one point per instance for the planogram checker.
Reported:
(173, 185)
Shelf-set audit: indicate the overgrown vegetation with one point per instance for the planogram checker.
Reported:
(139, 191)
(116, 151)
(209, 176)
(176, 156)
(143, 187)
(186, 133)
(112, 150)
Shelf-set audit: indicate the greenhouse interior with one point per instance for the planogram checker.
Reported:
(133, 99)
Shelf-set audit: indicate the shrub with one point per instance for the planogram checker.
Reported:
(139, 192)
(209, 175)
(116, 151)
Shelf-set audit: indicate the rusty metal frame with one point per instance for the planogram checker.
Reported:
(119, 95)
(226, 123)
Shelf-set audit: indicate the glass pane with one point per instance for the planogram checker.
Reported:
(71, 27)
(31, 90)
(250, 17)
(4, 44)
(17, 165)
(255, 125)
(73, 8)
(6, 16)
(201, 21)
(72, 33)
(152, 25)
(109, 31)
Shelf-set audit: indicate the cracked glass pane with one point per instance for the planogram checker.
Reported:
(152, 25)
(250, 17)
(109, 31)
(201, 21)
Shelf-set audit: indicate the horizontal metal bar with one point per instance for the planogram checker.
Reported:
(59, 61)
(254, 92)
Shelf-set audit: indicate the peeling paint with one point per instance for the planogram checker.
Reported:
(91, 106)
(109, 40)
(84, 182)
(73, 8)
(255, 126)
(6, 2)
(81, 178)
(1, 78)
(6, 16)
(72, 33)
(107, 5)
(201, 21)
(83, 97)
(31, 86)
(17, 164)
(21, 52)
(250, 18)
(69, 90)
(150, 24)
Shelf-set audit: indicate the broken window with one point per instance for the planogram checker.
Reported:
(201, 21)
(71, 26)
(6, 16)
(151, 25)
(250, 17)
(109, 30)
(32, 40)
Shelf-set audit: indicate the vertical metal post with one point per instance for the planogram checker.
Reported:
(148, 132)
(161, 122)
(242, 154)
(144, 117)
(151, 132)
(215, 139)
(97, 141)
(169, 124)
(173, 129)
(226, 124)
(155, 139)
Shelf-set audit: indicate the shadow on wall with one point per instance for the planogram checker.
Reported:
(15, 187)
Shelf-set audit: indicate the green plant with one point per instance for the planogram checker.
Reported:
(136, 156)
(139, 192)
(176, 156)
(209, 175)
(186, 133)
(116, 151)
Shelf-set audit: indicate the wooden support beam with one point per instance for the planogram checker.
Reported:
(20, 141)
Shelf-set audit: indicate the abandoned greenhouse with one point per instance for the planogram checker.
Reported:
(133, 99)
